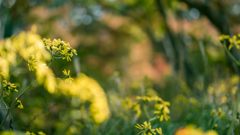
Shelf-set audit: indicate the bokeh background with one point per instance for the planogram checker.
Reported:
(168, 48)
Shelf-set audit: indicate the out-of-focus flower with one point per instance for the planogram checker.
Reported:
(213, 112)
(159, 131)
(233, 41)
(146, 128)
(67, 77)
(8, 87)
(149, 99)
(28, 133)
(128, 104)
(162, 110)
(41, 133)
(223, 37)
(161, 106)
(46, 77)
(32, 63)
(87, 89)
(19, 104)
(220, 112)
(190, 130)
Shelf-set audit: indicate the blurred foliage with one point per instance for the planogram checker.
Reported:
(127, 50)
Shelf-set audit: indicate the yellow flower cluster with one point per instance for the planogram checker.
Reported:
(233, 41)
(190, 130)
(87, 89)
(146, 129)
(8, 87)
(162, 110)
(223, 89)
(60, 48)
(20, 133)
(129, 104)
(16, 46)
(30, 47)
(218, 113)
(32, 63)
(39, 133)
(161, 106)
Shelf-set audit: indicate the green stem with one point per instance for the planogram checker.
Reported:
(4, 103)
(16, 102)
(114, 126)
(152, 119)
(231, 56)
(20, 97)
(238, 97)
(234, 113)
(146, 112)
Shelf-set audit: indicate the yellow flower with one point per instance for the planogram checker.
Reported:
(41, 133)
(46, 76)
(162, 110)
(163, 116)
(232, 42)
(19, 104)
(146, 128)
(87, 89)
(223, 37)
(163, 106)
(149, 99)
(28, 133)
(190, 130)
(8, 87)
(66, 73)
(32, 63)
(213, 112)
(47, 43)
(67, 77)
(68, 53)
(159, 131)
(137, 109)
(220, 112)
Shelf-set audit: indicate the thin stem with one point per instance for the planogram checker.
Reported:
(235, 112)
(60, 57)
(231, 56)
(7, 107)
(16, 102)
(238, 96)
(145, 111)
(114, 126)
(20, 97)
(152, 119)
